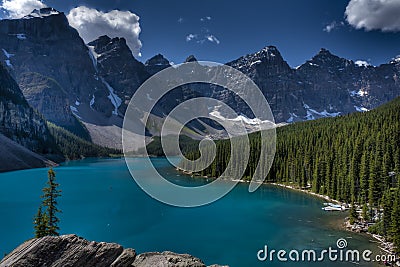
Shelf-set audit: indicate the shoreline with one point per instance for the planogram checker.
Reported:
(327, 198)
(382, 244)
(385, 246)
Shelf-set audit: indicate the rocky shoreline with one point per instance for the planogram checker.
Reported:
(74, 251)
(358, 227)
(384, 245)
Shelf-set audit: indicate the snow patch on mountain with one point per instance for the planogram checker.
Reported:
(309, 116)
(244, 119)
(255, 62)
(395, 60)
(21, 36)
(75, 112)
(324, 113)
(360, 93)
(251, 125)
(8, 56)
(292, 118)
(312, 114)
(361, 109)
(115, 100)
(362, 63)
(42, 13)
(328, 114)
(92, 101)
(93, 56)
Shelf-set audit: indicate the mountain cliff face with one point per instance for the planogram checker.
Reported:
(118, 69)
(44, 44)
(71, 250)
(324, 86)
(48, 97)
(18, 121)
(275, 78)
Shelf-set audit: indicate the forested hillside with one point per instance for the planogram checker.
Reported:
(73, 147)
(349, 158)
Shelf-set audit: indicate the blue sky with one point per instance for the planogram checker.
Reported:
(225, 30)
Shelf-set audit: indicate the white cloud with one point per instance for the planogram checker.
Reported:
(180, 20)
(190, 37)
(201, 39)
(20, 8)
(92, 23)
(333, 26)
(211, 38)
(205, 18)
(374, 15)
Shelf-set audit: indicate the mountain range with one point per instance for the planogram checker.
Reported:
(85, 88)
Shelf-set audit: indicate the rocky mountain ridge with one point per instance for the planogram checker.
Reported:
(324, 86)
(67, 80)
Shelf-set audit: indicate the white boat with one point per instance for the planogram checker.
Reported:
(330, 208)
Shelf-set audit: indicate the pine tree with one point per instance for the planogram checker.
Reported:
(353, 214)
(46, 221)
(40, 223)
(364, 177)
(365, 212)
(50, 202)
(374, 182)
(387, 203)
(395, 224)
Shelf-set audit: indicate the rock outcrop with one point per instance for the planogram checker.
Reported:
(74, 251)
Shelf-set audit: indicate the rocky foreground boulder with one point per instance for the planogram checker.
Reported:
(74, 251)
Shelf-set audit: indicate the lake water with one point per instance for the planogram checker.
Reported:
(100, 201)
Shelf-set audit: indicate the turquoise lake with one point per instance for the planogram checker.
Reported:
(100, 201)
